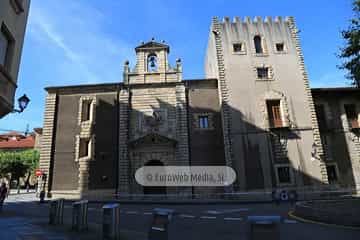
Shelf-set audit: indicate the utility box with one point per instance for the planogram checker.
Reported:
(56, 212)
(111, 221)
(264, 227)
(79, 215)
(159, 226)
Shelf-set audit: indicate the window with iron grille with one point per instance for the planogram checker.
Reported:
(238, 47)
(263, 73)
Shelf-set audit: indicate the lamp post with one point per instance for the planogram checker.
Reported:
(23, 101)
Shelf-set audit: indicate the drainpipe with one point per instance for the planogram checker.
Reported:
(117, 139)
(188, 129)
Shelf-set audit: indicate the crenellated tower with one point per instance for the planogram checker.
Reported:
(271, 134)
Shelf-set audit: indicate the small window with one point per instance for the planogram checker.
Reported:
(263, 73)
(321, 117)
(258, 44)
(238, 47)
(275, 119)
(203, 122)
(279, 47)
(283, 174)
(351, 115)
(6, 44)
(84, 147)
(86, 111)
(332, 173)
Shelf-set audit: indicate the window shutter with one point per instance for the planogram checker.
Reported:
(274, 112)
(277, 115)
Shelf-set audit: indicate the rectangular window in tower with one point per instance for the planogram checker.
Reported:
(263, 73)
(283, 174)
(238, 47)
(203, 122)
(84, 148)
(274, 112)
(321, 117)
(332, 173)
(351, 115)
(86, 111)
(280, 47)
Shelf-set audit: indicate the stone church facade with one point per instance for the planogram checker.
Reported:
(254, 112)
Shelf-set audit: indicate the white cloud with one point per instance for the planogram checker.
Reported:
(78, 31)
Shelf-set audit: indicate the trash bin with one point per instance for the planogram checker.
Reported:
(79, 215)
(264, 227)
(111, 221)
(159, 226)
(56, 212)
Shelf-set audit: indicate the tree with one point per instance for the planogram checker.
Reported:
(351, 52)
(17, 164)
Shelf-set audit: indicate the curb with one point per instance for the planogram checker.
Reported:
(153, 202)
(292, 215)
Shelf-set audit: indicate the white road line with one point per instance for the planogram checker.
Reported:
(233, 219)
(131, 212)
(186, 216)
(207, 217)
(289, 221)
(148, 213)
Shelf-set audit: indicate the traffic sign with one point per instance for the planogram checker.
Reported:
(38, 172)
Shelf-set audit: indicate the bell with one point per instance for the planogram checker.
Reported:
(152, 64)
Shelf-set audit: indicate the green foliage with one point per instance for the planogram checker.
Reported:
(351, 52)
(17, 164)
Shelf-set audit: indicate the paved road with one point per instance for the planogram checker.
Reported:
(194, 221)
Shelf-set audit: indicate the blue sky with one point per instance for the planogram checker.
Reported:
(86, 41)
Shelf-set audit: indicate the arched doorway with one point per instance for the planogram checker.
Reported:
(151, 189)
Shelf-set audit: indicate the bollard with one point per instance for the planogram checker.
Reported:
(56, 212)
(79, 215)
(111, 221)
(264, 227)
(159, 226)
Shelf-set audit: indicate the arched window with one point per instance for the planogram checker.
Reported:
(258, 45)
(152, 64)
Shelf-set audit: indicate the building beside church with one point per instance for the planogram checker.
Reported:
(13, 20)
(254, 112)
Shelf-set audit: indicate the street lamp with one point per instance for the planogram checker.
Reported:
(23, 101)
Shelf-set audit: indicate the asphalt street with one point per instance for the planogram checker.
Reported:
(192, 221)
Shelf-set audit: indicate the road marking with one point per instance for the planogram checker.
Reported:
(227, 211)
(289, 221)
(131, 212)
(233, 219)
(207, 217)
(147, 213)
(186, 216)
